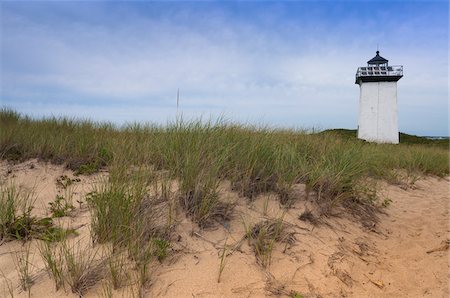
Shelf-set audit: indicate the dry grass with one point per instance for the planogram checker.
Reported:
(308, 216)
(83, 267)
(118, 269)
(24, 267)
(73, 264)
(264, 235)
(53, 263)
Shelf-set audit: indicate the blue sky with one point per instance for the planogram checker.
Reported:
(287, 64)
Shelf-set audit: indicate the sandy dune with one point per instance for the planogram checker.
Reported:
(404, 255)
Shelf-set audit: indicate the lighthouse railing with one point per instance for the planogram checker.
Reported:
(368, 71)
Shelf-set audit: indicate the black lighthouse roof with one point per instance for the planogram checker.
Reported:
(378, 70)
(377, 60)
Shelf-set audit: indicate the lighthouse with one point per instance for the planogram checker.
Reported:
(378, 120)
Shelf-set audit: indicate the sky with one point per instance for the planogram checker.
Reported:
(287, 64)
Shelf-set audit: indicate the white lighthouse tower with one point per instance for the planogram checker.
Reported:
(377, 121)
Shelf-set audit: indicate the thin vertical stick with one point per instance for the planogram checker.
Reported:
(178, 100)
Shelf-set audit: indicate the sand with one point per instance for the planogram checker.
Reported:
(404, 255)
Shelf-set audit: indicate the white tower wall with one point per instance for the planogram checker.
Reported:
(378, 112)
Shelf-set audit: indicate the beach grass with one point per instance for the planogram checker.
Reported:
(155, 171)
(200, 154)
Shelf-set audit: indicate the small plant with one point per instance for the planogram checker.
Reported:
(266, 204)
(161, 248)
(70, 264)
(264, 235)
(13, 153)
(413, 178)
(63, 181)
(199, 194)
(126, 213)
(23, 267)
(92, 165)
(142, 254)
(55, 234)
(104, 155)
(82, 267)
(117, 265)
(88, 168)
(15, 212)
(60, 207)
(16, 221)
(223, 256)
(53, 263)
(162, 185)
(111, 212)
(308, 216)
(386, 202)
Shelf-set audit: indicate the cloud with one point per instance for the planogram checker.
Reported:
(125, 62)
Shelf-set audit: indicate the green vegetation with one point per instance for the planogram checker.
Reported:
(60, 207)
(15, 213)
(24, 267)
(73, 264)
(222, 264)
(201, 154)
(82, 267)
(130, 212)
(17, 222)
(53, 263)
(118, 269)
(404, 138)
(161, 248)
(122, 210)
